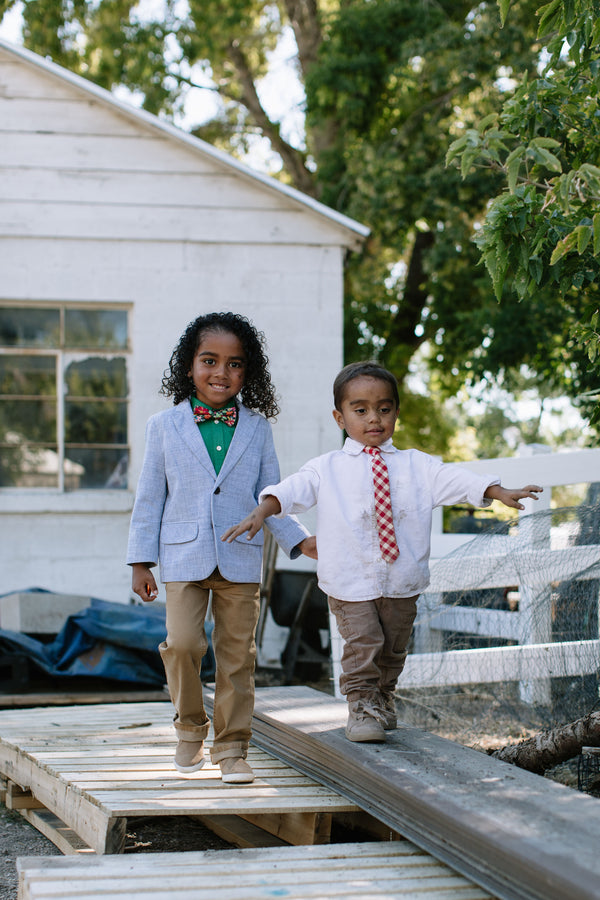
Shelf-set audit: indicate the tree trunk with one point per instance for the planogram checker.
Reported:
(293, 159)
(549, 748)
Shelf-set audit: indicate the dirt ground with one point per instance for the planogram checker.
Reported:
(144, 835)
(476, 719)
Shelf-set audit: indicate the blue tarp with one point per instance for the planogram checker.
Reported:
(105, 640)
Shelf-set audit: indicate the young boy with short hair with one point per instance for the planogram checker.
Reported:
(374, 509)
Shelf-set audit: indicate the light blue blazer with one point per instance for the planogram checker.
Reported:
(182, 507)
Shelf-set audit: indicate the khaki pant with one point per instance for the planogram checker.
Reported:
(235, 609)
(375, 634)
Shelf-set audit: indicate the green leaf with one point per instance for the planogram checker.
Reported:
(567, 245)
(584, 236)
(543, 157)
(504, 7)
(456, 148)
(549, 16)
(513, 166)
(544, 142)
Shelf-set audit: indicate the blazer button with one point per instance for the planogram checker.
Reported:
(217, 490)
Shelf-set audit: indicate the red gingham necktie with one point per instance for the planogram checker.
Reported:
(202, 414)
(383, 506)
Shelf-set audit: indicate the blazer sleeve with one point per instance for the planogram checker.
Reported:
(150, 500)
(287, 530)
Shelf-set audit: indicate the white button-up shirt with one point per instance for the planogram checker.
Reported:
(340, 484)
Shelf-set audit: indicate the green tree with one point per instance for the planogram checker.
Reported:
(389, 84)
(541, 234)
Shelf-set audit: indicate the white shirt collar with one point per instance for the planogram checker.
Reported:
(355, 447)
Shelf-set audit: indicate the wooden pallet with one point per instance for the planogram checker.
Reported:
(394, 870)
(521, 836)
(93, 767)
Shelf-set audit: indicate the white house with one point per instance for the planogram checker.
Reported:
(116, 230)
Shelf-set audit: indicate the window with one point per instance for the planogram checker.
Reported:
(63, 397)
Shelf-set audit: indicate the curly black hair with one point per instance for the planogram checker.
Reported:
(258, 392)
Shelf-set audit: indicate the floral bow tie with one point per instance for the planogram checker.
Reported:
(203, 414)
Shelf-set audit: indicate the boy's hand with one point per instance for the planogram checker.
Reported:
(143, 583)
(309, 547)
(511, 496)
(253, 522)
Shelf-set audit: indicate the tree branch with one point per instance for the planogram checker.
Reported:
(305, 22)
(293, 159)
(401, 335)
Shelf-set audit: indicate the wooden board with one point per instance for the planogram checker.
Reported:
(515, 833)
(94, 766)
(397, 871)
(68, 698)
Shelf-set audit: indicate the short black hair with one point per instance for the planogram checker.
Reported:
(257, 393)
(358, 369)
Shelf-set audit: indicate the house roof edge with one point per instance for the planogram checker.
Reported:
(355, 231)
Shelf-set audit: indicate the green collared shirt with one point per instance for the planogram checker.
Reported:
(217, 436)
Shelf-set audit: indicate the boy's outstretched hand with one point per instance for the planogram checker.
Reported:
(511, 496)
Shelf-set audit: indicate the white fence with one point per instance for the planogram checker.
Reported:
(504, 562)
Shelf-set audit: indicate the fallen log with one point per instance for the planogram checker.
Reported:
(549, 748)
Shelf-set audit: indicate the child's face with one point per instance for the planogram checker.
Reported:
(218, 368)
(369, 411)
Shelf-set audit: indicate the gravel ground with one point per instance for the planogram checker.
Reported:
(144, 835)
(18, 838)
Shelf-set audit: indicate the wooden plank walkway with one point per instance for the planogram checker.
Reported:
(515, 833)
(93, 767)
(395, 870)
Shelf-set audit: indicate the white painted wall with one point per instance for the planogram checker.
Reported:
(99, 204)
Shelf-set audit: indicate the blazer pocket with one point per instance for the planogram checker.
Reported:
(178, 532)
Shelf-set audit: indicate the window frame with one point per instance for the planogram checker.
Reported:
(63, 357)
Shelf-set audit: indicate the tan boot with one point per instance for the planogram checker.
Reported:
(362, 724)
(189, 756)
(384, 709)
(235, 770)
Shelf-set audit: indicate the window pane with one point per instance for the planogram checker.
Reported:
(28, 375)
(24, 466)
(29, 327)
(87, 328)
(96, 377)
(27, 420)
(96, 468)
(96, 422)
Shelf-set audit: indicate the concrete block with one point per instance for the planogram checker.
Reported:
(38, 613)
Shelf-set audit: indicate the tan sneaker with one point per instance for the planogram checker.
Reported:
(189, 756)
(362, 724)
(384, 709)
(235, 770)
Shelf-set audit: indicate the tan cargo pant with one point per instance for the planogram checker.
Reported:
(375, 634)
(235, 609)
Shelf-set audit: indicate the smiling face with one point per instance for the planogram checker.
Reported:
(218, 368)
(368, 411)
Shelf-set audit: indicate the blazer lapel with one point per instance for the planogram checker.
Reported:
(245, 428)
(187, 428)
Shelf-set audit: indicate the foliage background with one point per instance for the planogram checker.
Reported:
(458, 131)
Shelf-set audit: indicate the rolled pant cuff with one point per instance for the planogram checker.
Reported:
(189, 733)
(228, 751)
(364, 693)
